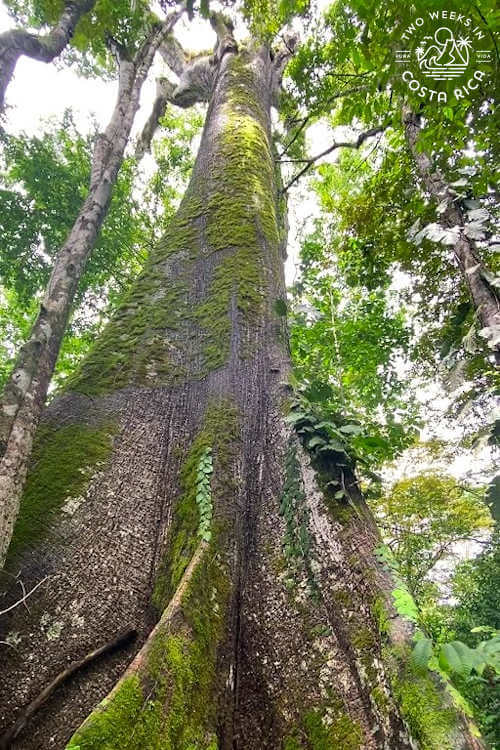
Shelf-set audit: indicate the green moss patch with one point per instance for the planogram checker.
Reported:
(422, 703)
(320, 730)
(241, 214)
(160, 334)
(139, 344)
(63, 461)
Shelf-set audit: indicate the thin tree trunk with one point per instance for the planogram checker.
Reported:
(26, 389)
(192, 513)
(43, 47)
(484, 298)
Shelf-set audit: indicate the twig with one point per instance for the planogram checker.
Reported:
(306, 119)
(23, 599)
(297, 133)
(122, 639)
(348, 144)
(23, 589)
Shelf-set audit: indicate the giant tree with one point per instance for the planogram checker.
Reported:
(171, 495)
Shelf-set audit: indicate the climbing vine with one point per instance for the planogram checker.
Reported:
(297, 543)
(204, 495)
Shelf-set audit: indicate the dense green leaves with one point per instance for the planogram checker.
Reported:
(45, 181)
(346, 341)
(423, 518)
(204, 494)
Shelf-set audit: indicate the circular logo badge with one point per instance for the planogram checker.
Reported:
(445, 56)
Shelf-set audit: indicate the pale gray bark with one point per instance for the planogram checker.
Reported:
(164, 92)
(196, 79)
(26, 389)
(483, 295)
(197, 76)
(43, 47)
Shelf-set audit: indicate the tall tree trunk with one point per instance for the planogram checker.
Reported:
(43, 47)
(169, 495)
(26, 390)
(484, 297)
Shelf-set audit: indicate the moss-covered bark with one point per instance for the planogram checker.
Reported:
(64, 460)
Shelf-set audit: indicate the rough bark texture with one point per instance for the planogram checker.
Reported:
(483, 295)
(26, 389)
(43, 47)
(275, 630)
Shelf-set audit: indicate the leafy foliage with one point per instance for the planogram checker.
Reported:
(404, 602)
(475, 587)
(424, 517)
(36, 218)
(344, 73)
(345, 344)
(266, 18)
(172, 151)
(44, 182)
(204, 495)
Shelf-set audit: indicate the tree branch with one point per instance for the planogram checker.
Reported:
(297, 133)
(173, 54)
(43, 47)
(484, 297)
(305, 120)
(164, 94)
(25, 391)
(24, 597)
(345, 144)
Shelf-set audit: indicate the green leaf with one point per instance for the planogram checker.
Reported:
(351, 429)
(422, 652)
(315, 441)
(335, 446)
(404, 604)
(295, 417)
(456, 657)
